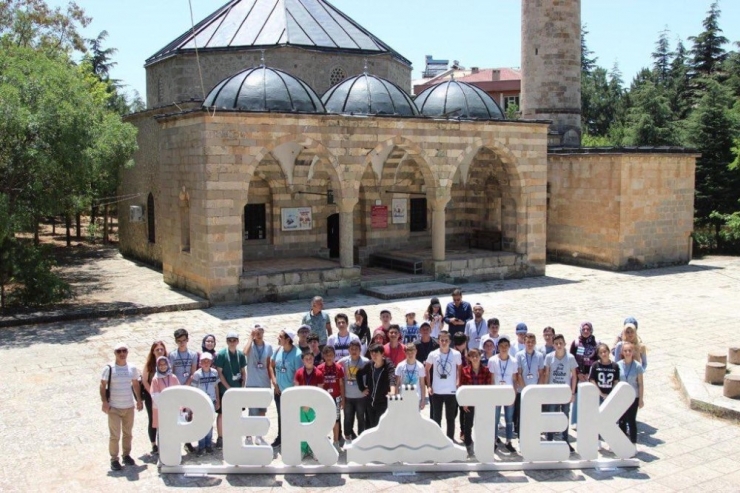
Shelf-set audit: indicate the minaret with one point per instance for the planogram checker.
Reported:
(551, 67)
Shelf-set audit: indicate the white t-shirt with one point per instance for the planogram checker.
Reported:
(444, 366)
(476, 331)
(560, 369)
(503, 370)
(517, 347)
(121, 395)
(411, 374)
(530, 366)
(341, 344)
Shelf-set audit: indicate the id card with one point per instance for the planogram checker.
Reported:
(260, 366)
(351, 383)
(283, 370)
(530, 376)
(330, 390)
(236, 378)
(443, 377)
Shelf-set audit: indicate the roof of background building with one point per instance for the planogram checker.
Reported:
(314, 24)
(368, 95)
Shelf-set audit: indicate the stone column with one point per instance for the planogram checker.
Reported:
(346, 207)
(438, 227)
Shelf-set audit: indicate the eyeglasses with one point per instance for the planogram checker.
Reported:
(341, 322)
(121, 351)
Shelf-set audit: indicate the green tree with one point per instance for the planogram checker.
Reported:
(33, 24)
(708, 52)
(679, 83)
(649, 121)
(587, 63)
(662, 58)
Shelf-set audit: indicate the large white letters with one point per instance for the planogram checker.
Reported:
(534, 422)
(314, 433)
(485, 399)
(595, 420)
(173, 433)
(235, 452)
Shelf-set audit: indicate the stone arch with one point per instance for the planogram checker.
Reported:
(377, 158)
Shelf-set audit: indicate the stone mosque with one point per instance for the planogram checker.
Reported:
(281, 156)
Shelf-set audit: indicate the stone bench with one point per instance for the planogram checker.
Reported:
(411, 266)
(486, 240)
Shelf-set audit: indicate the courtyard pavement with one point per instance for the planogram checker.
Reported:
(54, 436)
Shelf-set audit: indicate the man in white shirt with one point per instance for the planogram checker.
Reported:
(444, 363)
(340, 341)
(476, 329)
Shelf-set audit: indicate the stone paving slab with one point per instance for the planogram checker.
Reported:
(706, 397)
(54, 436)
(108, 285)
(408, 290)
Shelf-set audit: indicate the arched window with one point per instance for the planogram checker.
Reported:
(150, 217)
(337, 75)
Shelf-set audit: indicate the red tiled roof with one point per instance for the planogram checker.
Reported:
(487, 75)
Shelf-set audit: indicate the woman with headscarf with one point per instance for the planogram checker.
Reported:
(150, 368)
(585, 350)
(162, 379)
(209, 345)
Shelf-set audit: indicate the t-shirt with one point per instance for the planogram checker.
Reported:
(318, 324)
(641, 358)
(475, 332)
(341, 344)
(351, 371)
(605, 376)
(530, 366)
(517, 347)
(286, 365)
(396, 355)
(410, 333)
(231, 365)
(315, 378)
(257, 362)
(444, 369)
(560, 369)
(121, 395)
(206, 381)
(545, 350)
(411, 374)
(182, 363)
(628, 373)
(437, 322)
(332, 376)
(423, 349)
(503, 370)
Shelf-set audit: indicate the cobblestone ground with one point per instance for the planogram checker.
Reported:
(54, 436)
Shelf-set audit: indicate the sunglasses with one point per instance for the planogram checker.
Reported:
(182, 339)
(121, 351)
(232, 340)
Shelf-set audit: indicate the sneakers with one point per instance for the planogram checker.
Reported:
(189, 447)
(260, 441)
(219, 443)
(128, 460)
(115, 465)
(337, 447)
(510, 447)
(209, 450)
(199, 452)
(155, 448)
(572, 450)
(248, 441)
(276, 443)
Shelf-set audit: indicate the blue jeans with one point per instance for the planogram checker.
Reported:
(509, 418)
(553, 408)
(207, 441)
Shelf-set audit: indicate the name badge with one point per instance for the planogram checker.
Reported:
(330, 390)
(477, 339)
(236, 378)
(443, 377)
(283, 370)
(351, 383)
(502, 382)
(260, 366)
(530, 376)
(186, 374)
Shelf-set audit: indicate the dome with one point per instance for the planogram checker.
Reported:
(456, 99)
(264, 89)
(368, 95)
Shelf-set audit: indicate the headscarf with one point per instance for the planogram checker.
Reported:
(381, 332)
(169, 368)
(203, 345)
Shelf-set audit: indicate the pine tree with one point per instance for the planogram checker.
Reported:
(662, 58)
(679, 83)
(708, 52)
(588, 64)
(649, 119)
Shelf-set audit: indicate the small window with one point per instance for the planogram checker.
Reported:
(418, 214)
(337, 76)
(150, 217)
(511, 100)
(255, 222)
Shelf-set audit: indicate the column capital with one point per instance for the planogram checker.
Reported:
(438, 197)
(346, 204)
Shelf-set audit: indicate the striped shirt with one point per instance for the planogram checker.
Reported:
(121, 395)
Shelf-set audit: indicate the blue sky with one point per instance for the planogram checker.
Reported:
(483, 33)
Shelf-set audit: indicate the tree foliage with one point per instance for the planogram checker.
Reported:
(33, 24)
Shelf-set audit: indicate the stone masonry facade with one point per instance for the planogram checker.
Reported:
(620, 211)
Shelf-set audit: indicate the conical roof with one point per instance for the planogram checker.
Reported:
(264, 89)
(264, 23)
(456, 99)
(368, 95)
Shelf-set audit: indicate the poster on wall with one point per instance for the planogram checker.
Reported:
(379, 216)
(399, 211)
(296, 219)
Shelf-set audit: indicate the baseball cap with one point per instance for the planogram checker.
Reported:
(504, 338)
(410, 314)
(630, 326)
(521, 327)
(232, 335)
(290, 333)
(206, 355)
(304, 328)
(120, 345)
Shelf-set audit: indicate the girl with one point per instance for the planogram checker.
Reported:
(629, 334)
(584, 350)
(360, 328)
(435, 317)
(604, 374)
(158, 349)
(163, 379)
(631, 372)
(378, 338)
(476, 373)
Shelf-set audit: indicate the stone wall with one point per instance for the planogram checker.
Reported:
(177, 78)
(620, 210)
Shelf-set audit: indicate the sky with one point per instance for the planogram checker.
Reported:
(478, 33)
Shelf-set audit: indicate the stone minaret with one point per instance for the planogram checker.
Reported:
(551, 67)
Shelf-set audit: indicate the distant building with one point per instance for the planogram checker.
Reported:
(503, 84)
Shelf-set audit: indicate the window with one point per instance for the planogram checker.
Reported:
(255, 222)
(337, 76)
(511, 100)
(418, 214)
(150, 217)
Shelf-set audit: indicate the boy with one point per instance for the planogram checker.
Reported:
(285, 363)
(377, 381)
(426, 343)
(560, 368)
(302, 333)
(475, 329)
(230, 364)
(548, 333)
(259, 370)
(206, 379)
(411, 372)
(445, 364)
(493, 332)
(308, 375)
(410, 331)
(354, 399)
(504, 369)
(184, 363)
(520, 343)
(314, 347)
(474, 374)
(340, 341)
(334, 384)
(385, 321)
(460, 344)
(394, 349)
(531, 364)
(489, 351)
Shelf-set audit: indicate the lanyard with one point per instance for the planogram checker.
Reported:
(180, 359)
(282, 366)
(308, 376)
(259, 353)
(352, 375)
(479, 327)
(231, 362)
(376, 381)
(207, 380)
(627, 373)
(503, 368)
(410, 374)
(442, 369)
(529, 362)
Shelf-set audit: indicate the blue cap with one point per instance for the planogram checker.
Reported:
(630, 320)
(521, 327)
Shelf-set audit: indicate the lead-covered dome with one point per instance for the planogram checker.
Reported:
(368, 95)
(264, 89)
(456, 99)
